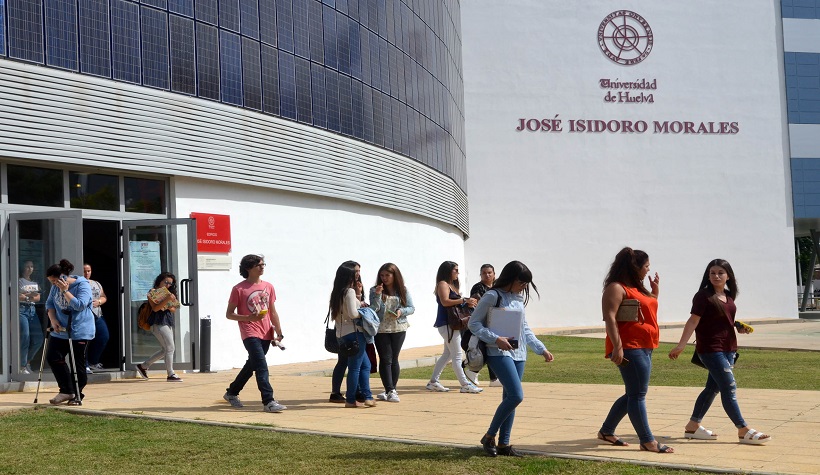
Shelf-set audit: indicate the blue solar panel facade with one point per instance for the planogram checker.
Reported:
(386, 72)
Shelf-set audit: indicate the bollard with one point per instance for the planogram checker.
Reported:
(205, 345)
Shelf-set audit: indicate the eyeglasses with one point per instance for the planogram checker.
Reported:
(261, 264)
(169, 282)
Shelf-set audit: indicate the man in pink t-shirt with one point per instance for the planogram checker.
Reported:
(252, 305)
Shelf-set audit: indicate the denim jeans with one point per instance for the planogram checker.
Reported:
(58, 358)
(97, 345)
(721, 380)
(256, 363)
(338, 374)
(389, 345)
(509, 373)
(358, 370)
(636, 382)
(31, 334)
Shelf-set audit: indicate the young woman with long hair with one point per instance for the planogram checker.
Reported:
(447, 295)
(164, 304)
(505, 356)
(712, 319)
(629, 345)
(391, 301)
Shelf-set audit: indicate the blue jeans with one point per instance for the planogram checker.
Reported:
(721, 380)
(636, 382)
(31, 334)
(338, 374)
(509, 373)
(97, 345)
(256, 363)
(358, 370)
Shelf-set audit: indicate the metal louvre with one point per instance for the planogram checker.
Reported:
(51, 115)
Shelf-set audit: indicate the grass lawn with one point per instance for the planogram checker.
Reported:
(581, 360)
(52, 441)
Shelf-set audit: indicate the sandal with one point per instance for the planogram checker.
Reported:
(662, 449)
(701, 433)
(606, 438)
(754, 437)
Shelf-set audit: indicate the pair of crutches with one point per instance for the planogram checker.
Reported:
(78, 400)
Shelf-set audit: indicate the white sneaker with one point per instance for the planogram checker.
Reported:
(97, 367)
(436, 386)
(471, 388)
(472, 376)
(393, 396)
(496, 384)
(24, 370)
(88, 370)
(381, 396)
(274, 406)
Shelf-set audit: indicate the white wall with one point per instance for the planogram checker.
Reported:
(304, 239)
(565, 203)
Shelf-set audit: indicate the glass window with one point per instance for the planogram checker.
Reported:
(270, 80)
(143, 195)
(301, 36)
(284, 25)
(35, 186)
(317, 87)
(91, 191)
(249, 18)
(364, 48)
(287, 85)
(378, 118)
(343, 44)
(125, 41)
(183, 7)
(61, 33)
(354, 45)
(230, 67)
(183, 70)
(251, 74)
(229, 14)
(155, 70)
(303, 102)
(207, 57)
(367, 110)
(95, 38)
(375, 70)
(207, 11)
(26, 29)
(358, 110)
(267, 21)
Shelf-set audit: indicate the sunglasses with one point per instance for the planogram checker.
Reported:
(169, 282)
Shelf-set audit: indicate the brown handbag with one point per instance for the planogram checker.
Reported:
(458, 316)
(628, 311)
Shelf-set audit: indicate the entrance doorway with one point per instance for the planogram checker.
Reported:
(101, 245)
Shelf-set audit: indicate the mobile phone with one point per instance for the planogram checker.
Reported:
(624, 363)
(64, 278)
(513, 342)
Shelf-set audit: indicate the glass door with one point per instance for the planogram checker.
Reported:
(150, 248)
(36, 241)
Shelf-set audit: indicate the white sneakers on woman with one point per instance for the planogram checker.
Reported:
(471, 389)
(436, 386)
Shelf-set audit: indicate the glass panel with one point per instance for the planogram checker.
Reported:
(183, 7)
(317, 85)
(229, 14)
(95, 43)
(345, 108)
(329, 28)
(125, 40)
(284, 25)
(183, 70)
(207, 56)
(270, 80)
(89, 191)
(152, 250)
(267, 21)
(332, 97)
(301, 38)
(25, 19)
(315, 31)
(207, 11)
(303, 105)
(143, 195)
(249, 18)
(251, 74)
(155, 70)
(35, 186)
(287, 85)
(163, 4)
(2, 53)
(230, 61)
(61, 33)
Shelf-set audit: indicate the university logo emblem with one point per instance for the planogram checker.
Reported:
(625, 37)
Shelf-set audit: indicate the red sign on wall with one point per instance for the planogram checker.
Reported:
(213, 232)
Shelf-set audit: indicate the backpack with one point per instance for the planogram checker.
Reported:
(475, 350)
(144, 312)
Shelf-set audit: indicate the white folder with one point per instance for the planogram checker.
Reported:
(506, 322)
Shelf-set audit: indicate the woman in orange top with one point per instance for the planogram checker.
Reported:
(629, 344)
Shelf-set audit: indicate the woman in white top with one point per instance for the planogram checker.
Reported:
(97, 345)
(344, 309)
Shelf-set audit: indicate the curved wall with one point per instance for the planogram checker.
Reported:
(384, 72)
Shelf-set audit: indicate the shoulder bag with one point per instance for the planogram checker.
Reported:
(331, 342)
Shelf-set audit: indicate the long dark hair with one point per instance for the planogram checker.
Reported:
(345, 276)
(731, 283)
(445, 273)
(160, 278)
(398, 282)
(516, 270)
(626, 269)
(63, 268)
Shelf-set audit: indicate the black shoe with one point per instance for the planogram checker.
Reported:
(336, 397)
(360, 397)
(508, 451)
(488, 443)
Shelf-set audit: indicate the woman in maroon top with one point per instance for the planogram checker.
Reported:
(713, 321)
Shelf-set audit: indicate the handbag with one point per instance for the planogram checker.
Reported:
(458, 316)
(348, 347)
(628, 311)
(331, 342)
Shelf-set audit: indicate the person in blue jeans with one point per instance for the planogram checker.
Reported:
(339, 370)
(97, 345)
(345, 301)
(31, 330)
(712, 320)
(505, 356)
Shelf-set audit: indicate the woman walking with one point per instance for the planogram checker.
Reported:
(97, 345)
(505, 356)
(629, 345)
(712, 319)
(163, 301)
(391, 301)
(447, 295)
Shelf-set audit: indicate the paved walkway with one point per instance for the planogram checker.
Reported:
(554, 419)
